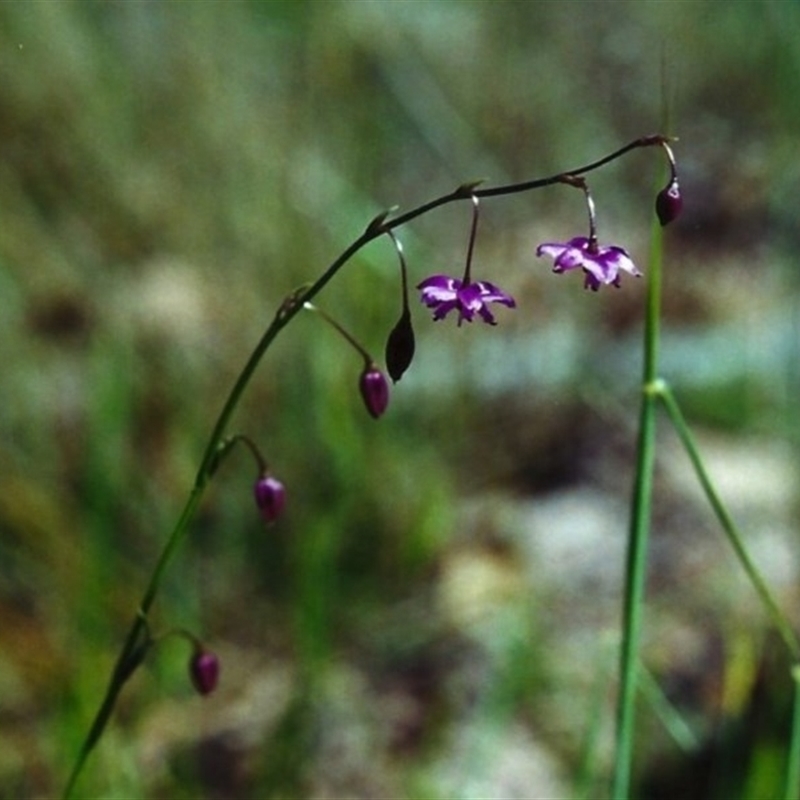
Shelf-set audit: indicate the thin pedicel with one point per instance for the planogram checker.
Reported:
(372, 383)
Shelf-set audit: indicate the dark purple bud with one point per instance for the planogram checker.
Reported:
(669, 202)
(375, 390)
(204, 671)
(270, 497)
(400, 347)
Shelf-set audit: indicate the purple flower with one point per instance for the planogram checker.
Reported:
(444, 294)
(270, 497)
(374, 390)
(204, 671)
(601, 265)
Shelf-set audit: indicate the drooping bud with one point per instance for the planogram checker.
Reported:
(400, 344)
(669, 202)
(270, 497)
(204, 671)
(400, 347)
(374, 390)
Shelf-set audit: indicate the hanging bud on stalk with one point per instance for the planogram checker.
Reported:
(374, 390)
(669, 202)
(372, 383)
(270, 497)
(400, 344)
(400, 347)
(204, 670)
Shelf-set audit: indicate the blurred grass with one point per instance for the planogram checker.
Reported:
(168, 172)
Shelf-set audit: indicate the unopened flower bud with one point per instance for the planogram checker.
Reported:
(400, 347)
(204, 671)
(375, 390)
(270, 497)
(669, 202)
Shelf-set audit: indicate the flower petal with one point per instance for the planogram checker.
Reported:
(605, 262)
(581, 242)
(469, 297)
(570, 258)
(494, 294)
(487, 316)
(624, 261)
(445, 282)
(565, 256)
(552, 249)
(590, 281)
(444, 308)
(439, 289)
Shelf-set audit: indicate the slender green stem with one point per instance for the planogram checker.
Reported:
(675, 725)
(792, 790)
(136, 642)
(777, 617)
(473, 232)
(635, 571)
(636, 561)
(368, 360)
(135, 646)
(584, 784)
(730, 528)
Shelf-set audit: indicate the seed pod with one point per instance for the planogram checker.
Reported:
(400, 347)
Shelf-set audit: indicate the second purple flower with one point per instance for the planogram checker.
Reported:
(601, 265)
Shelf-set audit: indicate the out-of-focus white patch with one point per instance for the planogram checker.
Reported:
(166, 299)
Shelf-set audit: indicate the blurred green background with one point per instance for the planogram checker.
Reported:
(436, 615)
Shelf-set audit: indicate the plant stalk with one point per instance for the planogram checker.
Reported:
(638, 536)
(137, 641)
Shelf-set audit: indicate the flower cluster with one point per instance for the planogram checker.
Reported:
(602, 265)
